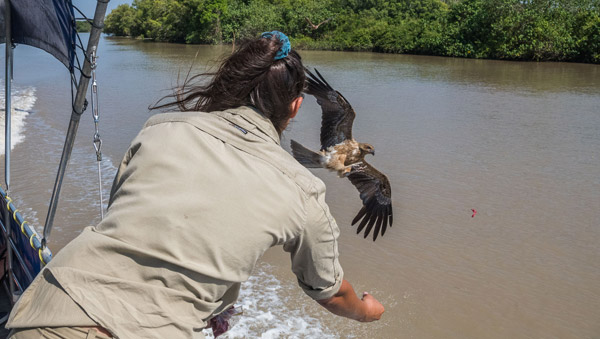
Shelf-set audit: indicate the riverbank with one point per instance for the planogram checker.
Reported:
(542, 30)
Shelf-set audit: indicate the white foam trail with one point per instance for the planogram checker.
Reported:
(84, 192)
(267, 316)
(23, 101)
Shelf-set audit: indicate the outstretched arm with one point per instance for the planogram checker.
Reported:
(345, 303)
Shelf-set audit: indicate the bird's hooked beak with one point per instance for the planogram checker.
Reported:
(367, 149)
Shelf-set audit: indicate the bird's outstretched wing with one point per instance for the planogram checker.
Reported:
(338, 115)
(376, 195)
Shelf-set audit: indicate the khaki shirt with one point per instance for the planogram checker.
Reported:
(198, 198)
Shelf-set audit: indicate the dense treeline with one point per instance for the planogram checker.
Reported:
(566, 30)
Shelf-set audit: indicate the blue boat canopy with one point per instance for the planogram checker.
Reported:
(45, 24)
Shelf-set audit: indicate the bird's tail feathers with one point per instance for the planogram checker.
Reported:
(305, 156)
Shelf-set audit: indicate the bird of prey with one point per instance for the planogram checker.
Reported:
(313, 26)
(341, 153)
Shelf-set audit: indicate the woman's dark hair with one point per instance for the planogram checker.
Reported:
(248, 77)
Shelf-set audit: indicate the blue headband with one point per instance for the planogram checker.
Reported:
(285, 47)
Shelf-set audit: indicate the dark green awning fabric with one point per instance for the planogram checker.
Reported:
(45, 24)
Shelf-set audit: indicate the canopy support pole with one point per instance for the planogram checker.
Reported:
(7, 143)
(78, 108)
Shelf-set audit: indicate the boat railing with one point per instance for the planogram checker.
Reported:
(28, 256)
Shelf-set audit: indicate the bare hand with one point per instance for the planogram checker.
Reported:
(373, 308)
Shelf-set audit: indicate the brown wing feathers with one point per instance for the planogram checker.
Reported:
(375, 192)
(337, 116)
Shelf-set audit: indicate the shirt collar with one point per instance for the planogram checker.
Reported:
(254, 117)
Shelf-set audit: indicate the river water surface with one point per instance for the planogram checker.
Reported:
(518, 142)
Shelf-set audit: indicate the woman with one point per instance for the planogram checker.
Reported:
(198, 198)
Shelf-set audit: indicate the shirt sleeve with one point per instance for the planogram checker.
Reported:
(314, 252)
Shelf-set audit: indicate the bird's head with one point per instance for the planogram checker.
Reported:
(367, 149)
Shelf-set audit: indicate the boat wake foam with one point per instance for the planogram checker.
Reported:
(23, 100)
(266, 313)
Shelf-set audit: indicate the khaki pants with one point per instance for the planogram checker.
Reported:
(56, 333)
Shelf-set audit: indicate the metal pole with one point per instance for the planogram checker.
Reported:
(7, 142)
(78, 108)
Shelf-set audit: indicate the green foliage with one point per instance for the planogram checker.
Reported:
(502, 29)
(120, 21)
(587, 37)
(83, 26)
(521, 30)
